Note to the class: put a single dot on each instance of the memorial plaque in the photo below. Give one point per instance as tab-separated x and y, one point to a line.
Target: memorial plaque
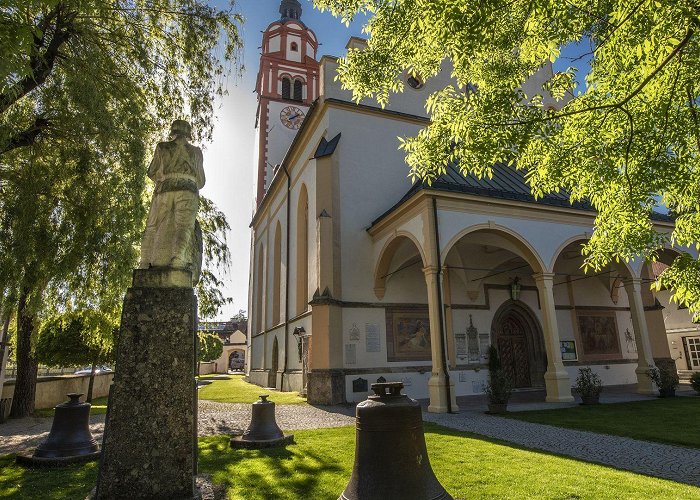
350	354
359	385
372	342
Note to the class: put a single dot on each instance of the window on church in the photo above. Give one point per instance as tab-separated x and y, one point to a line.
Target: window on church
298	90
286	88
295	47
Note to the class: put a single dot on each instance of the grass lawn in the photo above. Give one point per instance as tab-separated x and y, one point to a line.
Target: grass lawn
669	420
319	467
235	390
99	407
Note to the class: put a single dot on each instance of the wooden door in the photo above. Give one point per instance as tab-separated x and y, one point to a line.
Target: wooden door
512	349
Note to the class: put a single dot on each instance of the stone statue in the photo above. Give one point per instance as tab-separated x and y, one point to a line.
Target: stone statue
173	238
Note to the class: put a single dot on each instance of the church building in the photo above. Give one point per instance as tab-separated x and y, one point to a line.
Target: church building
358	275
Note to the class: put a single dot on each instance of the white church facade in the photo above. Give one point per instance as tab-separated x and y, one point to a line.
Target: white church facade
358	275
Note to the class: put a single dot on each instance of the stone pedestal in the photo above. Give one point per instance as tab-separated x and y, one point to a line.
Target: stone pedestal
150	439
326	387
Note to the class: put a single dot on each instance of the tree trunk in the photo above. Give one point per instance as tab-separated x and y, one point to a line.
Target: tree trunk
27	365
4	347
92	383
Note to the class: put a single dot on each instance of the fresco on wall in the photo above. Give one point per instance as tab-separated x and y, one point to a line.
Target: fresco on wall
408	335
598	333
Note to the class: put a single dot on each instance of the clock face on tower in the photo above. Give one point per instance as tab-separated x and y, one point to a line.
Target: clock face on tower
291	117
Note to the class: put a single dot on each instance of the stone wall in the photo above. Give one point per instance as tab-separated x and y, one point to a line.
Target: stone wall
51	391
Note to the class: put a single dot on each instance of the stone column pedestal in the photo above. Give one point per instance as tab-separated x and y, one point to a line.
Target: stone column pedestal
556	379
150	439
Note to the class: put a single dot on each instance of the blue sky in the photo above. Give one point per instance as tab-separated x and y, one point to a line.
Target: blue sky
228	159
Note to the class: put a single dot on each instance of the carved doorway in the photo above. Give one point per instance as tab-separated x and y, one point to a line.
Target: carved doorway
272	376
517	335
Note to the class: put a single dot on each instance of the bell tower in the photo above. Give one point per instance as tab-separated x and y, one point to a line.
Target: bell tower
287	84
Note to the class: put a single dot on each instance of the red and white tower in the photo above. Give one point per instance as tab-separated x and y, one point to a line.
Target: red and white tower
287	84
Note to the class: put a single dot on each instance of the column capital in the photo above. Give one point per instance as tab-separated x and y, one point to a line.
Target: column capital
543	277
632	282
428	270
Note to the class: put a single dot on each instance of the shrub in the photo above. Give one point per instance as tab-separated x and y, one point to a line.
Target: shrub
494	360
695	381
664	378
498	388
588	383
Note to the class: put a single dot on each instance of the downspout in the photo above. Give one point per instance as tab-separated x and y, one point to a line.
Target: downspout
286	283
443	342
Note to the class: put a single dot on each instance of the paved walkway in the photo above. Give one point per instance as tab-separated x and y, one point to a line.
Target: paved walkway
214	418
654	459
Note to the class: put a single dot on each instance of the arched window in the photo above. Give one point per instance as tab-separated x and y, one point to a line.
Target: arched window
286	88
302	278
260	280
294	47
277	275
298	90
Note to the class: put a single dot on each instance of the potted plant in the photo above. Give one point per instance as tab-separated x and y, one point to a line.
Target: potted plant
665	379
589	386
695	381
498	390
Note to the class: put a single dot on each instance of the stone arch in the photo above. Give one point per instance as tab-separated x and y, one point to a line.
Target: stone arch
517	334
621	267
302	257
386	256
236	360
525	249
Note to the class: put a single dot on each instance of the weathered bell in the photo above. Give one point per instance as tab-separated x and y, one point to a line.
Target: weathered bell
263	431
70	432
391	460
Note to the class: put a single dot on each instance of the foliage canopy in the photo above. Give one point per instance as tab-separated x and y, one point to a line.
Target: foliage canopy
87	87
628	140
76	339
210	346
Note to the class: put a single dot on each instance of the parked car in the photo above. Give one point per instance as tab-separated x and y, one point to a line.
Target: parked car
98	370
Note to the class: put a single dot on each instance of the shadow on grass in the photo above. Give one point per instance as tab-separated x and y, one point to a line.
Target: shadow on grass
18	482
302	470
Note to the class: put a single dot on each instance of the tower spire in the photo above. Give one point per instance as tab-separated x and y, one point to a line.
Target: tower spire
290	9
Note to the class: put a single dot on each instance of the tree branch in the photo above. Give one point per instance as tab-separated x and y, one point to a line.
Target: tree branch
41	64
618	104
26	137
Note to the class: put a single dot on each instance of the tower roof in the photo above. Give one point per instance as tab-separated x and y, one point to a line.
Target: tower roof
290	9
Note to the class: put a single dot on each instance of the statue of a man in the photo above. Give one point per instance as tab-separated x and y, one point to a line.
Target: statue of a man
173	237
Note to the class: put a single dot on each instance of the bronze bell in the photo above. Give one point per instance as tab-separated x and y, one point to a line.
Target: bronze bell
70	431
391	460
263	431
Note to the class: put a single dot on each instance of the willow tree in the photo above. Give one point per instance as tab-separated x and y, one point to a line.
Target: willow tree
628	140
86	89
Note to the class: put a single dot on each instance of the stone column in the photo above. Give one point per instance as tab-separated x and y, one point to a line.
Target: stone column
150	441
449	318
645	360
437	385
556	378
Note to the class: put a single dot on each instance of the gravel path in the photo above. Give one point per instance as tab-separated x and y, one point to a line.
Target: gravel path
233	418
654	459
214	418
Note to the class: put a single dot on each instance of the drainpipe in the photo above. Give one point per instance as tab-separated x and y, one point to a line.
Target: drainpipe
286	283
443	339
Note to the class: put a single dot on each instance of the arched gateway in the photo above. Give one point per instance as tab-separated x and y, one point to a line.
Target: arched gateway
517	335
